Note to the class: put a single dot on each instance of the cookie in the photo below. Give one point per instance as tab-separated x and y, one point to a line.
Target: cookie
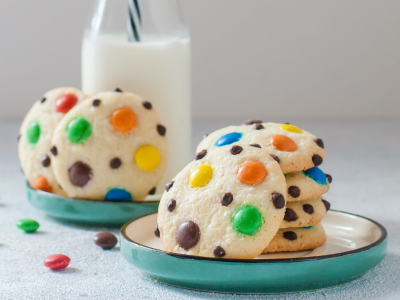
293	148
304	213
308	184
36	132
228	203
111	147
297	239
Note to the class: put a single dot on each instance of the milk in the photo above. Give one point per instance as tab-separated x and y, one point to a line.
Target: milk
157	69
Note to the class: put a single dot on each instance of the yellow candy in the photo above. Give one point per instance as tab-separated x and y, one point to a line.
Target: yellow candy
201	176
291	128
147	158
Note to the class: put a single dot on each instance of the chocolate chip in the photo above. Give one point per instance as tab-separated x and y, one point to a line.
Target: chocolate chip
327	204
43	100
276	158
201	154
188	235
79	174
118	90
290	215
206	135
290	235
156	231
219	251
226	199
18	138
317	160
171	205
278	200
258	126
255	145
115	163
294	191
169	185
236	150
96	102
308	208
46	161
329	178
152	191
105	240
161	129
319	142
251	122
53	150
147	105
287	123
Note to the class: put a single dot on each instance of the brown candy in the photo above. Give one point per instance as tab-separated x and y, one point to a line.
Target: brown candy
201	154
290	215
278	200
157	231
276	158
255	145
226	199
308	208
294	191
152	191
329	178
327	204
147	105
290	235
161	129
219	251
188	235
54	150
171	205
79	174
115	163
105	240
236	149
96	102
317	160
251	122
258	126
169	185
46	161
320	143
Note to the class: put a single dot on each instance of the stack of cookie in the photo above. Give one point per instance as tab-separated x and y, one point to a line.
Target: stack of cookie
193	219
110	146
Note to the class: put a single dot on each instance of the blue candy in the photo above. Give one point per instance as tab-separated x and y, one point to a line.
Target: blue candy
316	174
307	227
228	139
118	195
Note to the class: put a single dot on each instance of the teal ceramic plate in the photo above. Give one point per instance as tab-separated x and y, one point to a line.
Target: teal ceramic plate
354	245
90	212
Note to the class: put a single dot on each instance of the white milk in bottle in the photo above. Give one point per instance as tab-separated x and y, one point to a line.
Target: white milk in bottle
156	67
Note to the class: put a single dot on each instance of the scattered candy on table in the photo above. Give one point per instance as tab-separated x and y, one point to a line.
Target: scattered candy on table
27	225
105	240
57	261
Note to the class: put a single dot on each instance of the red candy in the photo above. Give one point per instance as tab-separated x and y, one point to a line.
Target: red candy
65	103
57	261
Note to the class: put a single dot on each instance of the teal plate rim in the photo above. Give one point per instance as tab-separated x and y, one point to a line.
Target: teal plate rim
277	260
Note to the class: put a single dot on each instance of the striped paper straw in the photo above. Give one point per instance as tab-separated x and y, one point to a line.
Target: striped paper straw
135	22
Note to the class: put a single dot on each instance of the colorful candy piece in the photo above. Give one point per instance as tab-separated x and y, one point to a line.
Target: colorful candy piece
283	143
78	130
57	261
105	240
65	102
252	172
247	219
228	139
201	176
33	132
147	158
42	184
316	174
118	195
27	225
123	120
291	128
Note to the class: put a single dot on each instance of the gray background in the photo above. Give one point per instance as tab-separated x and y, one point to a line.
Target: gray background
266	59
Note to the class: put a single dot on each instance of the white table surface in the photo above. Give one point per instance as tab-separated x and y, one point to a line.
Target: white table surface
362	156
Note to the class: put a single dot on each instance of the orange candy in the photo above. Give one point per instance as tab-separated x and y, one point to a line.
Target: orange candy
252	172
41	183
123	120
283	143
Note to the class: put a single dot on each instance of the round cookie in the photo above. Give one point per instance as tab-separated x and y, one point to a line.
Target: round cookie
228	203
297	239
308	184
304	213
295	149
36	133
111	147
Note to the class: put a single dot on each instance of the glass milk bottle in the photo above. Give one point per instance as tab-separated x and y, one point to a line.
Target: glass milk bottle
143	47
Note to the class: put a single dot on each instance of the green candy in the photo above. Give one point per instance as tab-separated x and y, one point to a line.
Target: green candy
247	219
33	132
78	130
27	225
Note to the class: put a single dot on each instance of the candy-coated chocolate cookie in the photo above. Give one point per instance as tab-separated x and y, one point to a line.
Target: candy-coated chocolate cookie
293	148
36	132
111	147
305	213
297	239
228	203
308	184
